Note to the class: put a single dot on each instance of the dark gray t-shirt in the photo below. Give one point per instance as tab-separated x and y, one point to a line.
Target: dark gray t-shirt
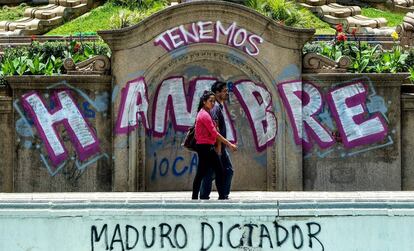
218	117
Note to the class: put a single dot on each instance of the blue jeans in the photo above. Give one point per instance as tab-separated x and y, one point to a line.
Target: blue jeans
206	184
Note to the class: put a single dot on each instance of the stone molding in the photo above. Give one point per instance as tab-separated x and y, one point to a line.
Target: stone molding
406	30
315	63
99	65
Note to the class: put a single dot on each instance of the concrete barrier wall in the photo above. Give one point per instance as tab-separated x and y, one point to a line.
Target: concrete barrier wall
119	222
62	101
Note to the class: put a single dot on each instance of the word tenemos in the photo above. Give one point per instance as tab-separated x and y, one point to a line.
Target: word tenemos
210	32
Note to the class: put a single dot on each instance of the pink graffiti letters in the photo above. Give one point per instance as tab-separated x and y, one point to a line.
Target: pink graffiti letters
66	112
210	32
302	106
171	100
133	107
256	101
347	104
303	102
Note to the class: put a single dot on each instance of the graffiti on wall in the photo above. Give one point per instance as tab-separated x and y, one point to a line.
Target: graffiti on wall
356	124
208	236
172	100
358	115
61	108
210	32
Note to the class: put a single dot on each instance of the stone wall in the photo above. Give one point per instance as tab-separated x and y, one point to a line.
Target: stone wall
370	164
313	131
163	64
76	168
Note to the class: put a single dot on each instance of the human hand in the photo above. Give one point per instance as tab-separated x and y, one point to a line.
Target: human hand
233	147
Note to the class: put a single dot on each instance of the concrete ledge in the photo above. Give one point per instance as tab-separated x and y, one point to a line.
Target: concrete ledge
303	203
170	221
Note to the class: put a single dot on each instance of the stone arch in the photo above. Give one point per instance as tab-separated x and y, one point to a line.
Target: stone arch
137	52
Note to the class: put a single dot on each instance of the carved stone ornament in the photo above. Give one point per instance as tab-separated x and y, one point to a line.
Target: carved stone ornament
406	30
315	63
98	65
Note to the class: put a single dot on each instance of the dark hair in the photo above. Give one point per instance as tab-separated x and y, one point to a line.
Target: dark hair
218	86
204	98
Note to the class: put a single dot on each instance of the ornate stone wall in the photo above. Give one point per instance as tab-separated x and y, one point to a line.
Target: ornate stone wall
177	53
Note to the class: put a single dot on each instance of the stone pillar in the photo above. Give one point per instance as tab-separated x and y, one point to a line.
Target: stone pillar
6	143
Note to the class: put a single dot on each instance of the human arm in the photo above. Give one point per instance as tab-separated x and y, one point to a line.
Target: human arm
223	140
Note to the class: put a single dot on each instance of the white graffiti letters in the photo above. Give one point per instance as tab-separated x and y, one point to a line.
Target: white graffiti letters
133	107
257	103
170	96
67	113
347	104
291	94
210	32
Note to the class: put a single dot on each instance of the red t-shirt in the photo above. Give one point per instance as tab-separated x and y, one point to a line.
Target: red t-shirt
205	130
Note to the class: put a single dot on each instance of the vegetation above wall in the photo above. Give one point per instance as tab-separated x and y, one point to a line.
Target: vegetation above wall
365	58
117	14
47	58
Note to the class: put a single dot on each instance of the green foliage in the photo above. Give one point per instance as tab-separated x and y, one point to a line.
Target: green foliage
131	16
393	18
96	19
411	74
143	5
365	58
112	15
288	13
47	58
12	13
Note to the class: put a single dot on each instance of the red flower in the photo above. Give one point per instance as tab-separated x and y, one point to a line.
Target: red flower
339	28
341	37
353	32
32	38
76	48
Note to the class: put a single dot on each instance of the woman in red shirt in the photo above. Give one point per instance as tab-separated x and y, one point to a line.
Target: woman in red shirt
206	136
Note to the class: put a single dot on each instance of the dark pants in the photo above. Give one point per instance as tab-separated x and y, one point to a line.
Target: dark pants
208	159
228	175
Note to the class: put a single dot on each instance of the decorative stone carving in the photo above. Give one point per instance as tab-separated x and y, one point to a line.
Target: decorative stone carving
406	30
99	65
315	63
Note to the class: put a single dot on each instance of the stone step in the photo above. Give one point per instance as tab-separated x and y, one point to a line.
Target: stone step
404	3
355	21
45	12
39	20
404	9
338	10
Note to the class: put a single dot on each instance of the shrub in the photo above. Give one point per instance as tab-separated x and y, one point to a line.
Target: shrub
47	58
365	58
141	4
136	12
286	12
